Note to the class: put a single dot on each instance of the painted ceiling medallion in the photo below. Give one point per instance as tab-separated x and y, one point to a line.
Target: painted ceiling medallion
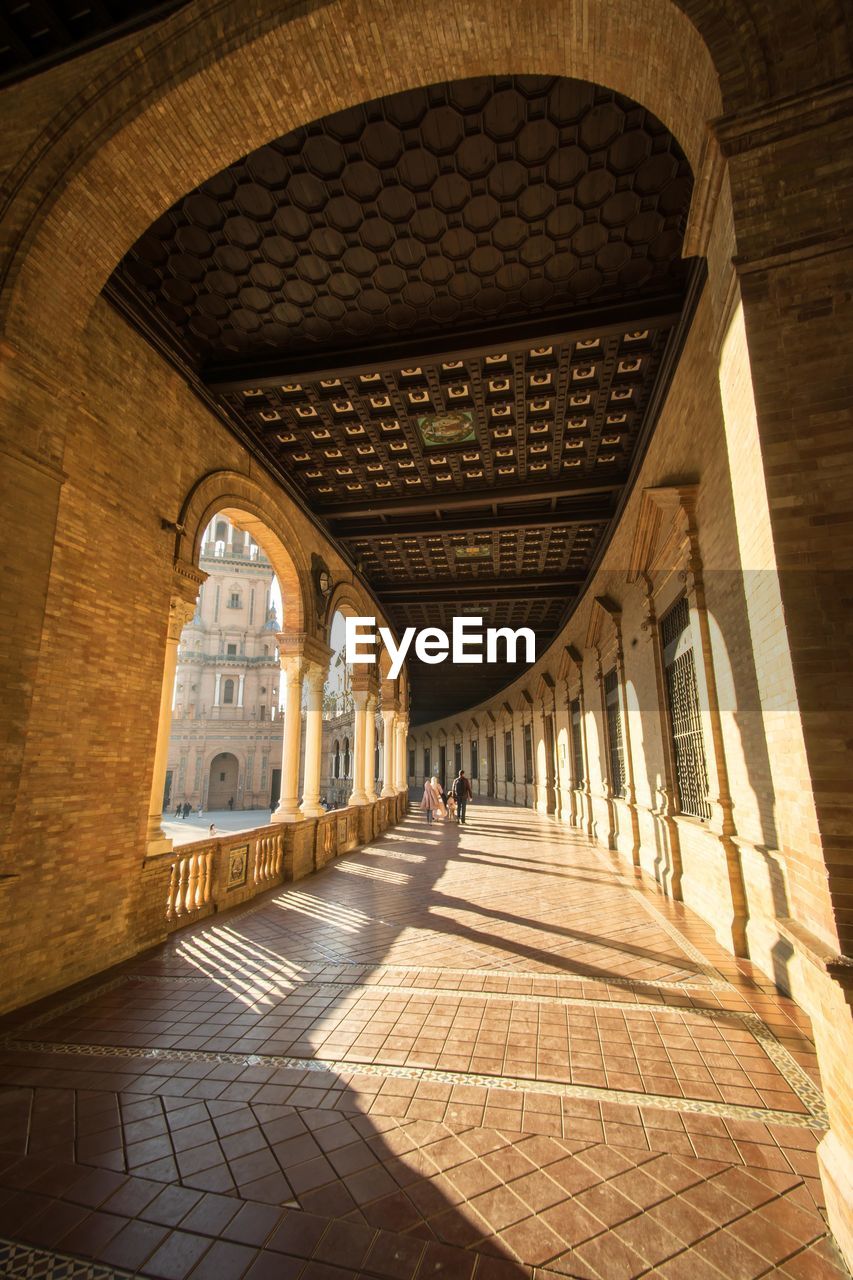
441	430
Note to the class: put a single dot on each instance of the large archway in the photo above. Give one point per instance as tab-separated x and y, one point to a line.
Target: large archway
223	782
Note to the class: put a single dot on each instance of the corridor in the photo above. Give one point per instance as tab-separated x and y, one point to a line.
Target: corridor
467	1052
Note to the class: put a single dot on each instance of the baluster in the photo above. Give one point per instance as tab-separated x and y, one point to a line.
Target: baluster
259	848
170	896
206	862
193	882
181	895
278	845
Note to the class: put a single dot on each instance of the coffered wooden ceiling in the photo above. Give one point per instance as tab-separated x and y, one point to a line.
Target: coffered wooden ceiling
446	320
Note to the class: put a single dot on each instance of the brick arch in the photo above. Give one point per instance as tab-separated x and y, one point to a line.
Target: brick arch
349	598
247	505
229	93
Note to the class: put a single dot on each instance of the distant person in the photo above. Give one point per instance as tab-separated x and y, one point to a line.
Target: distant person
187	809
231	803
199	810
211	830
431	798
462	793
179	809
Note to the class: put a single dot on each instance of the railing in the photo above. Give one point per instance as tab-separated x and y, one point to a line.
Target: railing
213	875
269	856
190	884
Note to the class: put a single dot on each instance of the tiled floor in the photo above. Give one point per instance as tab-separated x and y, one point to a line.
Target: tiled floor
459	1052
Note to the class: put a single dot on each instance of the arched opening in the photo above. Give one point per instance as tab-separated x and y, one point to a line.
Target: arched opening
228	688
223	782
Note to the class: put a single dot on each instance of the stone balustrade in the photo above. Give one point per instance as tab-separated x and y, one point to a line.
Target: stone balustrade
212	875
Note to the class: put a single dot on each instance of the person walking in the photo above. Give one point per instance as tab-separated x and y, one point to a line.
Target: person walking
179	809
187	808
462	793
431	799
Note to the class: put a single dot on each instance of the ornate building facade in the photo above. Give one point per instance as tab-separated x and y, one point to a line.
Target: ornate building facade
226	738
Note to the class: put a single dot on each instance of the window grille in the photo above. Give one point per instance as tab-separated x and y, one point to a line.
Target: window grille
691	772
577	745
615	748
528	753
508	755
475	759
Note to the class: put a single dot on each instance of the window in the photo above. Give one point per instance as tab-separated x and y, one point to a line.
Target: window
682	695
475	758
346	757
457	758
411	762
221	531
615	749
577	744
528	753
427	769
228	691
231	650
336	760
234	600
508	756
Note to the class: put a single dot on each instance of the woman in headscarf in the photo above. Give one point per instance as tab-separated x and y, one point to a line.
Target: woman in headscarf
432	801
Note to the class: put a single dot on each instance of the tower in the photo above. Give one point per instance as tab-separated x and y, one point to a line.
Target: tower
225	745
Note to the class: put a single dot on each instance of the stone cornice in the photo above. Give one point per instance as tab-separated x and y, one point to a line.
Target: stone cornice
786	117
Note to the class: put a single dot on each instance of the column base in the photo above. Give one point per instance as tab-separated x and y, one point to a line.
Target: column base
157	845
312	810
287	815
386	792
372	797
357	798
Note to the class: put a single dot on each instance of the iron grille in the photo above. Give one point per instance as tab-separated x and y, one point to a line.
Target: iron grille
614	733
528	753
691	773
577	745
508	756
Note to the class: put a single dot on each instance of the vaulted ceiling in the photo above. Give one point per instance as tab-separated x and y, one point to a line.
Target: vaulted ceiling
446	320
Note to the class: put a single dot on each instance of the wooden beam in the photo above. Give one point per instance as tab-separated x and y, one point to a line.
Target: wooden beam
438	504
465	345
539	586
583	513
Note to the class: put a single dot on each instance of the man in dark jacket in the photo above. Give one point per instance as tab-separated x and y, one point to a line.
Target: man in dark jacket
462	794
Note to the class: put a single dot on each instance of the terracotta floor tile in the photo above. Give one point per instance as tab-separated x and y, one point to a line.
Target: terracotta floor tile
493	969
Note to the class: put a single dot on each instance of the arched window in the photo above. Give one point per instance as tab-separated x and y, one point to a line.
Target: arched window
346	758
221	531
336	760
228	691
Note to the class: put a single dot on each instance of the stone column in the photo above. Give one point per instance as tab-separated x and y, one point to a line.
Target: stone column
240	683
370	748
181	611
402	773
315	679
389	724
216	689
358	795
293	671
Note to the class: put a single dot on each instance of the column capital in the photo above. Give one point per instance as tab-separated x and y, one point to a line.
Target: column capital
181	612
300	644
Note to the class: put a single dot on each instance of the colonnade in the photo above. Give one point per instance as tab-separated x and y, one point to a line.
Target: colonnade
306	667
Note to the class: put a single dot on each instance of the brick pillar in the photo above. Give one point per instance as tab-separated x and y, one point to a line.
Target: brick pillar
790	166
